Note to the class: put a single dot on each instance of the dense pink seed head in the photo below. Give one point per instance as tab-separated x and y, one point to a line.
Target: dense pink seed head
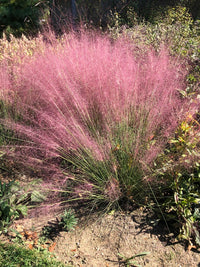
77	93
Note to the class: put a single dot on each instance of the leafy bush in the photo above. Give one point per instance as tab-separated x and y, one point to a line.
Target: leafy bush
118	12
181	172
176	28
152	10
17	17
104	107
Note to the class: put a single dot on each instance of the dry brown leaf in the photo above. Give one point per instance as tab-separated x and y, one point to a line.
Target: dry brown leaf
30	235
191	247
30	246
52	247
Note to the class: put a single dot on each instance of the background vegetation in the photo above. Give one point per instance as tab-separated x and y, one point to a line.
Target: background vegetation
28	17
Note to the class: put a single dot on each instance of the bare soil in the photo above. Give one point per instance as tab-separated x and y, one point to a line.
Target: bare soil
97	242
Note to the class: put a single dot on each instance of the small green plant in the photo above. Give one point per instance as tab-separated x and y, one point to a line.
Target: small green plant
127	261
68	220
47	232
14	201
11	206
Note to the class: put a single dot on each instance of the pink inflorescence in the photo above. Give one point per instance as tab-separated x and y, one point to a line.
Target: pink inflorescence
112	190
83	190
74	93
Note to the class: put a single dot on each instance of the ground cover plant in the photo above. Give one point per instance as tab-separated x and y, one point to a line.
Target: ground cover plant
11	255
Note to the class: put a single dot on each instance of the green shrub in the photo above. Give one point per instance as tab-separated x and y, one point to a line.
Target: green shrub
20	16
180	174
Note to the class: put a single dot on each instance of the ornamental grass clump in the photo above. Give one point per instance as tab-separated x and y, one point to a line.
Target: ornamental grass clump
101	107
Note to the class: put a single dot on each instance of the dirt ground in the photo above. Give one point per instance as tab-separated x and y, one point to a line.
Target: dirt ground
98	242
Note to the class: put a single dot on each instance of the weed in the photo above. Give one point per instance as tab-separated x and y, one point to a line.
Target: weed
127	261
14	201
11	206
68	220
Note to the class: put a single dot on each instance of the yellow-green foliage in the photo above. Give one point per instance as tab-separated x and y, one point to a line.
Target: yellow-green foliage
176	29
17	48
178	14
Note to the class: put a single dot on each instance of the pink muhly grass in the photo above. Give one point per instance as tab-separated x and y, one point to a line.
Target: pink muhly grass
113	190
83	190
90	93
5	81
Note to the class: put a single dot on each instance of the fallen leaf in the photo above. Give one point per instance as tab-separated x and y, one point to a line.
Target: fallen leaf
52	247
34	235
191	247
27	234
30	235
30	246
